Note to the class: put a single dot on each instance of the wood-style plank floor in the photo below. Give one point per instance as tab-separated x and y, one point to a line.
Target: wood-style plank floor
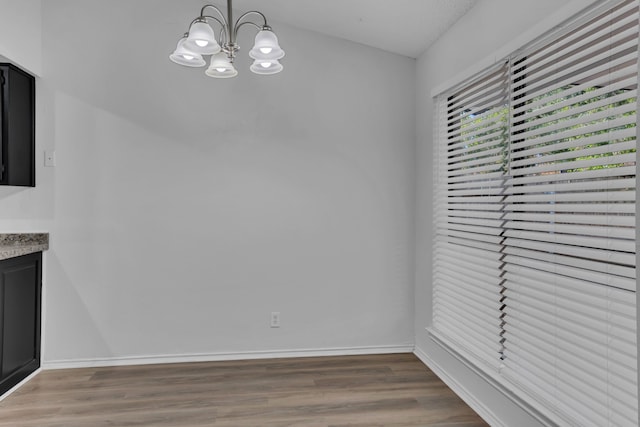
381	390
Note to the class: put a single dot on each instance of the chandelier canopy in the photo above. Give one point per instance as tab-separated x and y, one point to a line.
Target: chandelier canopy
200	40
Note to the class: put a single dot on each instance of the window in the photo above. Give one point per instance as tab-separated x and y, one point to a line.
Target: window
535	251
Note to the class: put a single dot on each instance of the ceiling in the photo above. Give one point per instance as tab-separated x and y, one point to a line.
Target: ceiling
405	27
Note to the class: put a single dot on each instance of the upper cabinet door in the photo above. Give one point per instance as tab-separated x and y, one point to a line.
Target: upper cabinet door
17	127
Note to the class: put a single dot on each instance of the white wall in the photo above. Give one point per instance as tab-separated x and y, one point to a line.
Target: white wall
488	32
184	209
21	34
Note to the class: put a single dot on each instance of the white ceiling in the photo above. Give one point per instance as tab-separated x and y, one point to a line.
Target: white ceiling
406	27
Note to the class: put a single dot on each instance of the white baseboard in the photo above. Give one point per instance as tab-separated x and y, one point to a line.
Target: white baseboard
20	384
214	357
480	408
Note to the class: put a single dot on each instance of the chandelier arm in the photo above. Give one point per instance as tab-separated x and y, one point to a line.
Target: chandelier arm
238	24
202	15
244	23
223	36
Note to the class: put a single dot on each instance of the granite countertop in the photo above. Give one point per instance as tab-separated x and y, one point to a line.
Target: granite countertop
17	244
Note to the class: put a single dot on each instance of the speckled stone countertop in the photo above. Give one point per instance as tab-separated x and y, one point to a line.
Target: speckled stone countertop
17	244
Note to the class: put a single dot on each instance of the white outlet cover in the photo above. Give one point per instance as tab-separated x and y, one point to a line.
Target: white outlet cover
275	319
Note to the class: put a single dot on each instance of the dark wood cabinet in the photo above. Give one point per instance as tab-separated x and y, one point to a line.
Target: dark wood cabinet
20	308
17	127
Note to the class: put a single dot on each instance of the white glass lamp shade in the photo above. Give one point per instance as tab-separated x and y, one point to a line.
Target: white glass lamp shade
266	46
184	56
221	67
201	39
266	67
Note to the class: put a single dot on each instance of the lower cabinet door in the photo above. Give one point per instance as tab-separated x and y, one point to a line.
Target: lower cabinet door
20	306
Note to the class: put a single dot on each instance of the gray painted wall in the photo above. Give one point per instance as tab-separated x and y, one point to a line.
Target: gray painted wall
21	33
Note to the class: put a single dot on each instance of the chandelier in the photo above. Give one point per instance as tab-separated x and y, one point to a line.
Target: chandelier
200	41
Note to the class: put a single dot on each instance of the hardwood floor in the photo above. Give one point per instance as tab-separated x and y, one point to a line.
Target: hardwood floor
381	390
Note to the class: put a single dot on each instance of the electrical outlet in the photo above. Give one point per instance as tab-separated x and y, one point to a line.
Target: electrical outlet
275	319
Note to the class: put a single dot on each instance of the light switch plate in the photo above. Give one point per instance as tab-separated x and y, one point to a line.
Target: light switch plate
49	158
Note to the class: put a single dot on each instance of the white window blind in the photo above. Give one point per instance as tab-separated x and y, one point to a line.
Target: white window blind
535	254
472	149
